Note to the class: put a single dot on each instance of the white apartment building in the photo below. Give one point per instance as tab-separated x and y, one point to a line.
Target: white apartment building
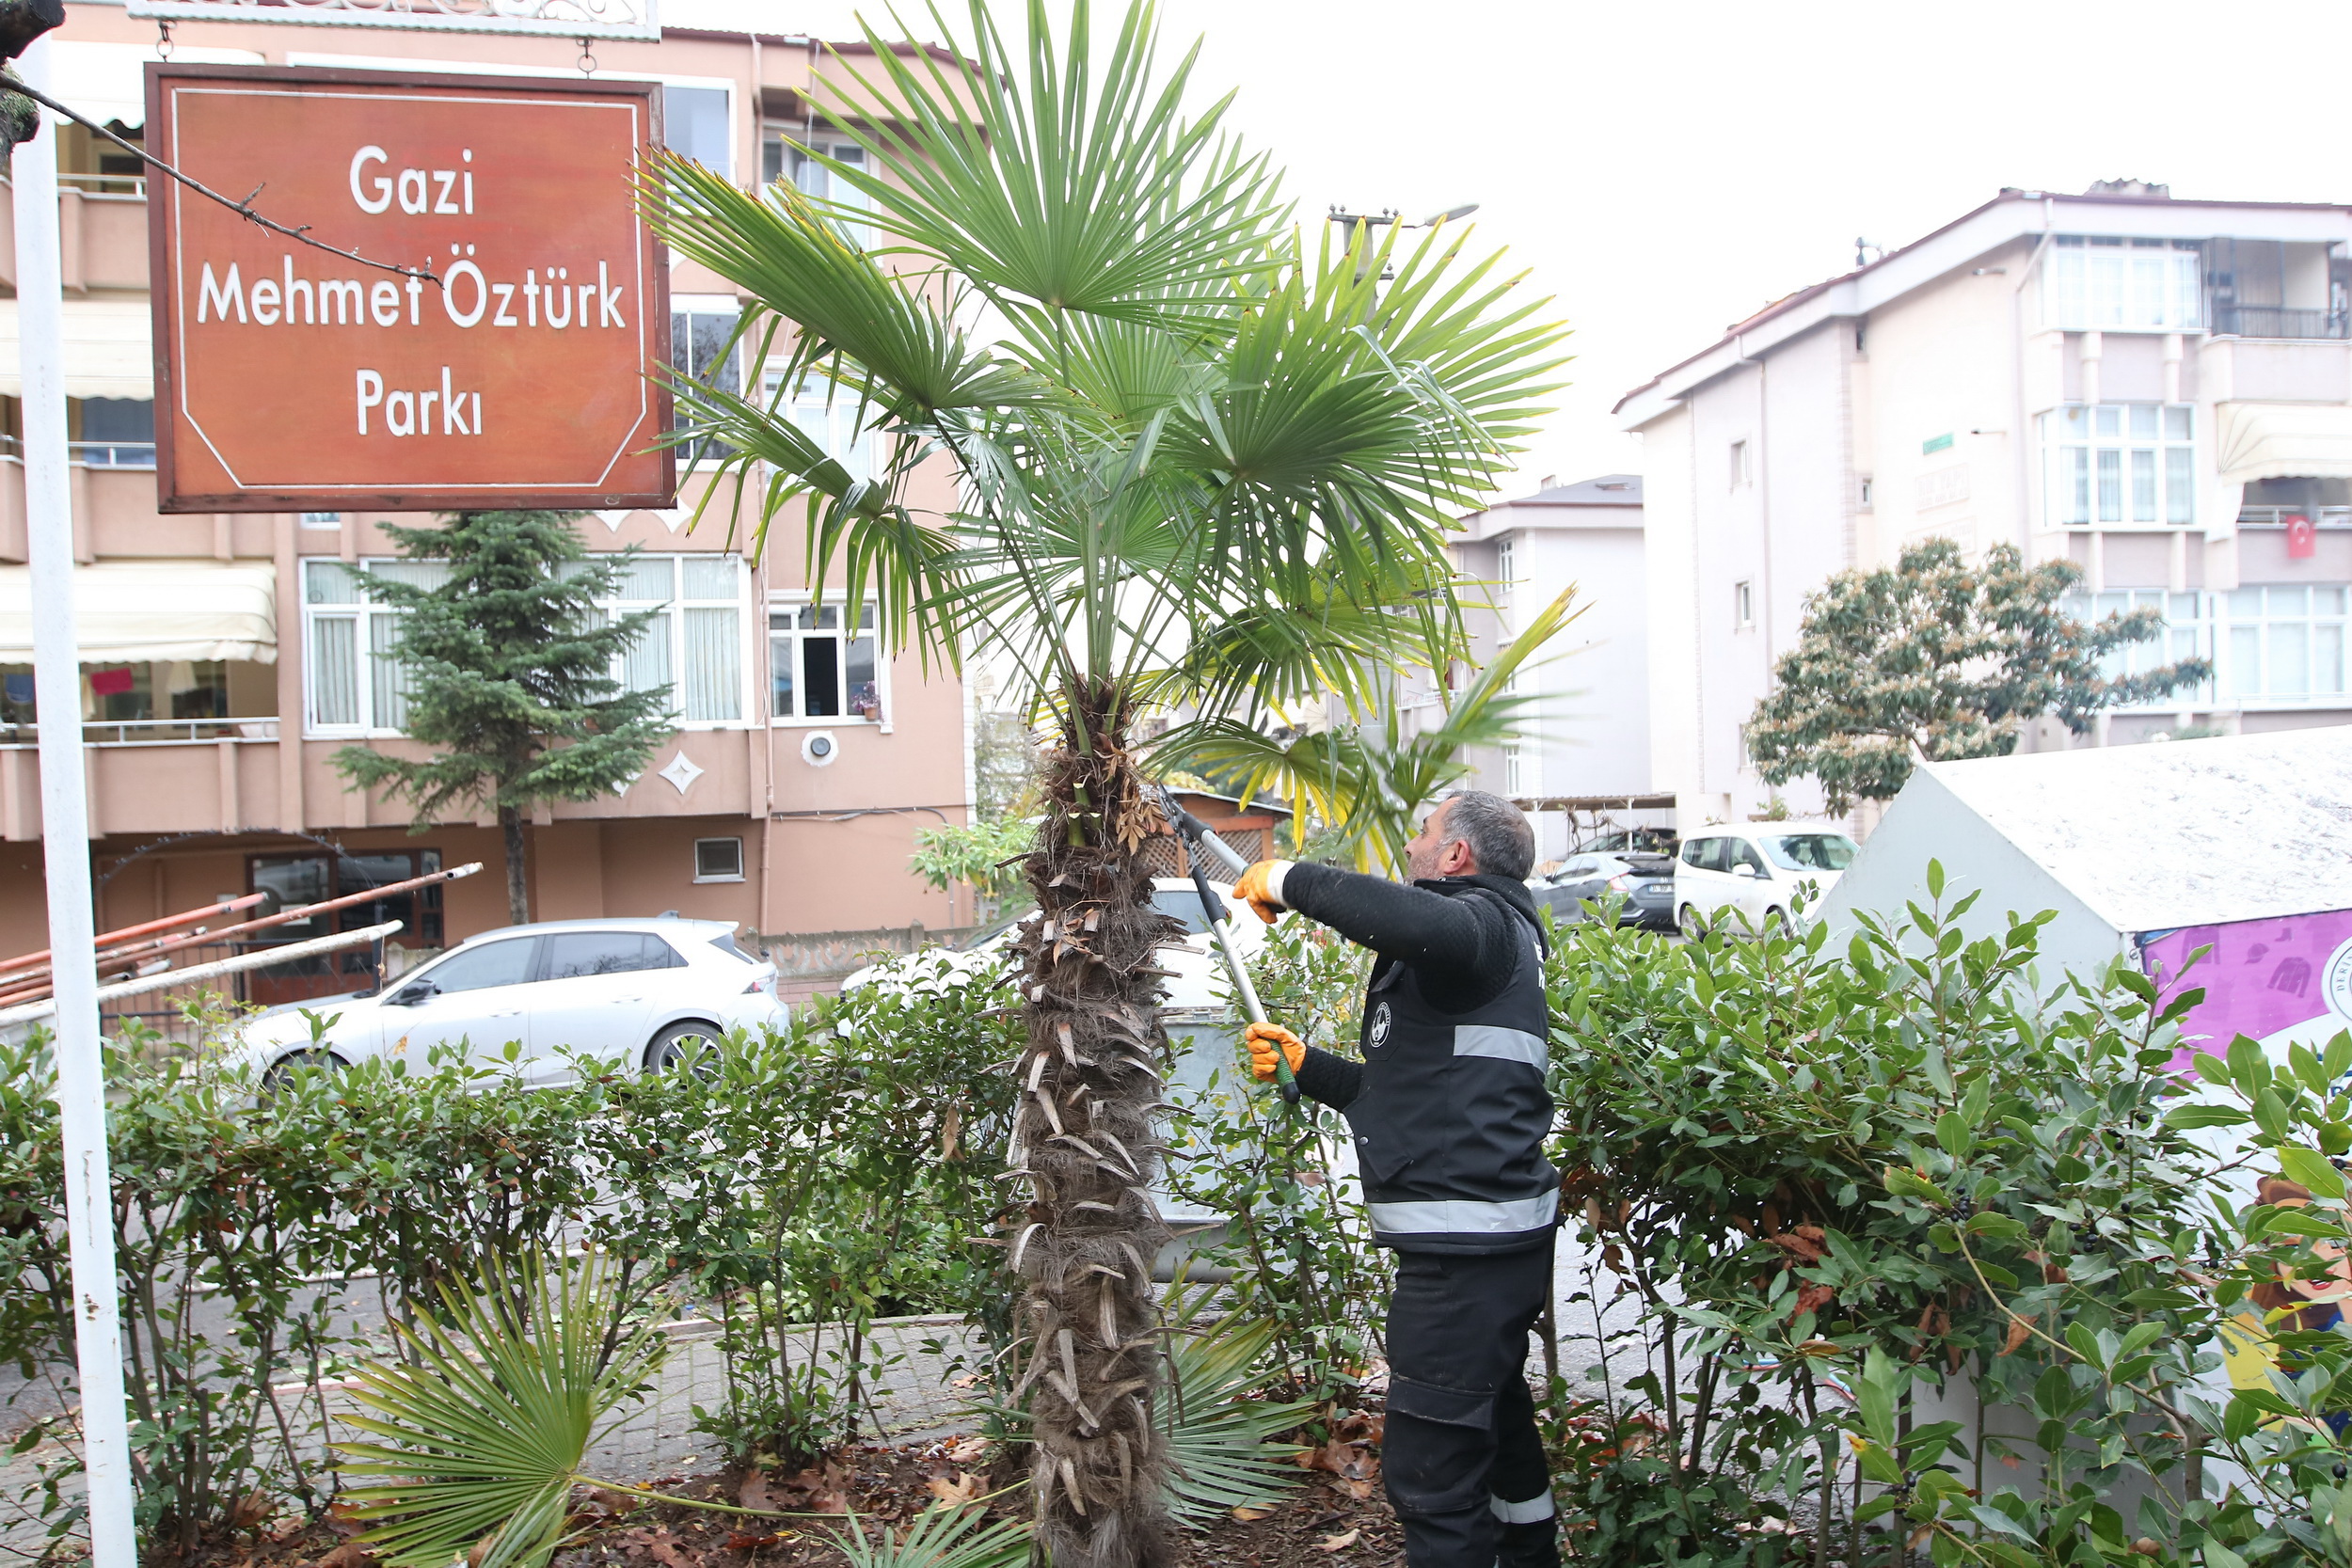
1585	746
2158	390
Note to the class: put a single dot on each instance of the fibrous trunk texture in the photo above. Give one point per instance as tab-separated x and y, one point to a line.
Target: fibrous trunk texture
1086	1145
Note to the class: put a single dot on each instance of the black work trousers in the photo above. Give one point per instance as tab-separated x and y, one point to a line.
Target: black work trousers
1462	1457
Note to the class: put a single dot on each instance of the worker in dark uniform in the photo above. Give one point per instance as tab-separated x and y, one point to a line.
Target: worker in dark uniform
1449	1113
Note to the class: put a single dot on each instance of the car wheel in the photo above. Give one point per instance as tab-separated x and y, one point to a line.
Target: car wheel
1692	925
283	1070
670	1047
1775	922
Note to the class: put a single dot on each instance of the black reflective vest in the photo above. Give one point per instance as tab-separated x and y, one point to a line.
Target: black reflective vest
1451	1121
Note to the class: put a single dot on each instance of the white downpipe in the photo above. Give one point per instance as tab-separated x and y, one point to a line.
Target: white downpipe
65	838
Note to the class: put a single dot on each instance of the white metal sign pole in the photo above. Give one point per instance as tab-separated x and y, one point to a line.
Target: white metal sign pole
65	837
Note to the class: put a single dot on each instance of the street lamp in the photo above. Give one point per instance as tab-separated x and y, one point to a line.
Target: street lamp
1389	215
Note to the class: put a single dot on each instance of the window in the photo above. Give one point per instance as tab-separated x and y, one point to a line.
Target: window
2281	645
1515	769
1738	853
784	155
2146	285
695	125
702	346
117	433
1866	493
573	955
1704	854
832	418
694	646
478	968
1811	852
322	519
1742	604
2185	634
817	672
2121	463
718	859
1507	561
1739	464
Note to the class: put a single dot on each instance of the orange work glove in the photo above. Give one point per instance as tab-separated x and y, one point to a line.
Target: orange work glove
1255	889
1262	1038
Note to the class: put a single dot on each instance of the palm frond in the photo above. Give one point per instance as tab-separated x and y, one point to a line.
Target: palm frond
481	1435
939	1537
1077	192
1220	1453
1371	781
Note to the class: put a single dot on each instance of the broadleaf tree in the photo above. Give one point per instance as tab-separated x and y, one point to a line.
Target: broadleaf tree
1167	413
506	663
1938	658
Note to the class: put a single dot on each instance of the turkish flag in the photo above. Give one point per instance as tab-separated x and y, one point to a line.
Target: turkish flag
2302	539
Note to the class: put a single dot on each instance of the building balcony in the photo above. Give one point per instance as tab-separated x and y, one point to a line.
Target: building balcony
101	233
2280	320
153	776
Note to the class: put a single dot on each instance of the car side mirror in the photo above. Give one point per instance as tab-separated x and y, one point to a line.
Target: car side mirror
413	993
1581	868
1745	869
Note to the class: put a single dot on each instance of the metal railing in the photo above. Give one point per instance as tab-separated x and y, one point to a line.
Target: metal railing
105	185
152	732
2280	320
2276	517
112	454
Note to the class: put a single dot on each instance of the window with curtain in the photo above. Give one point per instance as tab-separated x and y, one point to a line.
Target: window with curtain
2094	282
831	416
693	648
2121	463
2283	644
785	158
2186	634
703	345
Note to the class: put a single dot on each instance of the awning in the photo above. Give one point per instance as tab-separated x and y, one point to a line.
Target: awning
106	350
130	611
108	81
2284	441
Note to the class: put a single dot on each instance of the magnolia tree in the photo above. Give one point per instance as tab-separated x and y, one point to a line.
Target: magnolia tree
1197	459
1941	658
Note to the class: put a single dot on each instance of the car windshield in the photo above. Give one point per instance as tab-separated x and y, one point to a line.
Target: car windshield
1810	851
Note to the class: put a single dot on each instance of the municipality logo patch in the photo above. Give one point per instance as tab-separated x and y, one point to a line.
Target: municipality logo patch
1380	1022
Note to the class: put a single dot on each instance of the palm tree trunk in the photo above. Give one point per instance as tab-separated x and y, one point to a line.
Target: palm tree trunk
1087	1142
518	893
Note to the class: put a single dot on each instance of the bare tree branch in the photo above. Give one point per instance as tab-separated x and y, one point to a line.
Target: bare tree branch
243	209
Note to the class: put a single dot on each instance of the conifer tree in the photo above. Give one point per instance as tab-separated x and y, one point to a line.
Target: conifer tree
508	664
1941	658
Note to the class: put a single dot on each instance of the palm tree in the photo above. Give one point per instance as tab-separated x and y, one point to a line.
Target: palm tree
1174	429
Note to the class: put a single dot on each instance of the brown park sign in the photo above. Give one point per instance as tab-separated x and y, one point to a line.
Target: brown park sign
290	379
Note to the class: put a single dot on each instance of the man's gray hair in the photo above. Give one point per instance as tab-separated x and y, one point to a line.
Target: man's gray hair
1496	831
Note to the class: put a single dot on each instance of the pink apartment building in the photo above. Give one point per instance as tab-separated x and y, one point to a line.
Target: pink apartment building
225	658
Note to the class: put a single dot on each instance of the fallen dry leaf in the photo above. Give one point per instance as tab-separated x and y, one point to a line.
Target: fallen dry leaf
965	1487
1359	1490
754	1492
743	1541
251	1510
665	1551
349	1555
1338	1542
964	1451
1250	1515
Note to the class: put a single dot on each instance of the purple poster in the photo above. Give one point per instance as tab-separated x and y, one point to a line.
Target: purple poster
2281	981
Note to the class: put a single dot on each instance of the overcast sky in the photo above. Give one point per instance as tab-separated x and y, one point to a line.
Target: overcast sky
1664	169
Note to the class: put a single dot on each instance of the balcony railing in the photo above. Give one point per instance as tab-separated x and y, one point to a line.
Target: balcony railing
2280	320
2276	517
151	732
107	184
112	454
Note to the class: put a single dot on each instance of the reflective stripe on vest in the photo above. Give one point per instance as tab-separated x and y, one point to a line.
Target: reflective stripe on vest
1503	1045
1533	1511
1465	1216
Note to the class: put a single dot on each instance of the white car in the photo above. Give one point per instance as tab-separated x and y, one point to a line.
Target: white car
1749	874
1200	971
634	991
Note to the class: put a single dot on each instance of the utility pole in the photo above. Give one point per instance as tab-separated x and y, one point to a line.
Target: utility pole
65	839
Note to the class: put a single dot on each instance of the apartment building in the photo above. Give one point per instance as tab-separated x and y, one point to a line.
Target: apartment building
2159	390
225	658
1584	747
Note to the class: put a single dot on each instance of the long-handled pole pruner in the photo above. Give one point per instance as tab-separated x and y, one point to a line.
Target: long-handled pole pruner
1200	841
